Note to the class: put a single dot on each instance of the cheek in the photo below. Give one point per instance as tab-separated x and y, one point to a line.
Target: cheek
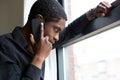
48	32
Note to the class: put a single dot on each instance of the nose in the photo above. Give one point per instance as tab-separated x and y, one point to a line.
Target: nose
56	37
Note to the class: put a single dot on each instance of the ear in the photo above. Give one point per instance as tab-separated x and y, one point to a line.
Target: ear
39	16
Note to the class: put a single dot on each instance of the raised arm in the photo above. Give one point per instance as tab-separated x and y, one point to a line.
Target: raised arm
77	26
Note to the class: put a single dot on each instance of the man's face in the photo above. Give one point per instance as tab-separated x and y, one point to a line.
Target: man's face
52	30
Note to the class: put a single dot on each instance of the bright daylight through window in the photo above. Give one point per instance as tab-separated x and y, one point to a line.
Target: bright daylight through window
95	58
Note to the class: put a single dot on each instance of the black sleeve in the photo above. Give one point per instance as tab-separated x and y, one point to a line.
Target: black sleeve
72	30
12	68
10	71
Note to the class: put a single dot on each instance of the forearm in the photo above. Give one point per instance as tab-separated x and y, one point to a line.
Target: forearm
90	15
73	29
38	61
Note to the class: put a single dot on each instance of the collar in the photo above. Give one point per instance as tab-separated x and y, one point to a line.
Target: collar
19	38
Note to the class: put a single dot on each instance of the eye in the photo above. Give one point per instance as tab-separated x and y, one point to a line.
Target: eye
56	29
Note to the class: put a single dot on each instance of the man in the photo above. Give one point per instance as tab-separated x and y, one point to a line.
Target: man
22	57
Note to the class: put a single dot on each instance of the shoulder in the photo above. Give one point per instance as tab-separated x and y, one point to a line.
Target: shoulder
5	47
5	39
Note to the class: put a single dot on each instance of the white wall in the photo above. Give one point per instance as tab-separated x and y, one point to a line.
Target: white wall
11	15
27	6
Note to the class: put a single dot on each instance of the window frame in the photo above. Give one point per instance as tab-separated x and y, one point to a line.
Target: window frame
112	20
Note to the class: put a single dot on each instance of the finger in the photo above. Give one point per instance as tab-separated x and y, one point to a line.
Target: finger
32	41
47	40
41	30
100	14
106	4
101	8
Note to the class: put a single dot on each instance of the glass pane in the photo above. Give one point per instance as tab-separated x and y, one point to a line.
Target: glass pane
95	58
51	66
75	8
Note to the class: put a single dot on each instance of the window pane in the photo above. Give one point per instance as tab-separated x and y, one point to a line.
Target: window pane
95	58
90	60
75	8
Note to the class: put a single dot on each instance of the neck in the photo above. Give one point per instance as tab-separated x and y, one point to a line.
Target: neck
26	30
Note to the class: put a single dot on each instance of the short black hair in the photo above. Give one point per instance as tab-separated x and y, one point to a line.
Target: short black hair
51	10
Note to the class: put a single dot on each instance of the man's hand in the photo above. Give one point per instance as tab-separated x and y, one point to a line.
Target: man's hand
101	10
41	49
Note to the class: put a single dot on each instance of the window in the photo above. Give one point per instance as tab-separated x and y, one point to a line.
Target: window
75	8
94	58
27	6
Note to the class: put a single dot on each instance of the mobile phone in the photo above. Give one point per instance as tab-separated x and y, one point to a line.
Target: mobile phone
36	24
